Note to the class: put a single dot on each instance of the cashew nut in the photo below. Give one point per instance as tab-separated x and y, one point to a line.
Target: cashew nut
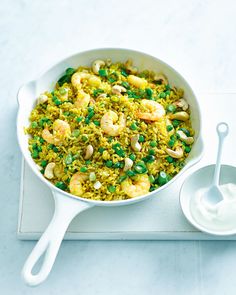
182	116
117	89
184	137
130	68
89	152
181	103
177	154
160	77
42	98
97	64
128	164
135	144
48	173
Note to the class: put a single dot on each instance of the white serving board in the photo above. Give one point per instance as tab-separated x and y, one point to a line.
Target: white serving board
160	218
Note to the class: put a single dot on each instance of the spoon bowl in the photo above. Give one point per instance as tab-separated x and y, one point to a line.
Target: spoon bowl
202	178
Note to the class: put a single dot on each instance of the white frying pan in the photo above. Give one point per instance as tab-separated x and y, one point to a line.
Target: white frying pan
68	206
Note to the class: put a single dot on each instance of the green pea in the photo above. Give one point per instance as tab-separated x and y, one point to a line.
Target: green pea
169	128
90	109
118	165
54	97
111	188
109	163
44	163
113	77
150	158
152	188
102	72
84	138
101	150
162	178
79	119
83	169
130	173
34	146
61	185
132	157
175	123
66	114
162	95
187	149
34	124
141	138
151	178
133	126
75	133
35	154
171	143
171	108
168	92
153	143
97	123
41	140
39	148
168	87
151	152
90	115
87	162
149	92
57	102
50	146
169	159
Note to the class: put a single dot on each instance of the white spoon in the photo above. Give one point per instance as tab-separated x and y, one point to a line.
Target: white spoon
213	194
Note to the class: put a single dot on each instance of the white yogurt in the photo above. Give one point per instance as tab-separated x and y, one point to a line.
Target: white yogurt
221	216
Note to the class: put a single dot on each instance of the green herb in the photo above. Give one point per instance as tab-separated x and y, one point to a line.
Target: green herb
151	152
130	173
171	108
66	78
101	150
113	77
87	120
34	124
97	123
61	185
122	178
98	91
102	73
79	119
124	73
111	188
132	157
125	84
68	159
84	138
35	154
162	178
118	150
162	95
149	92
151	178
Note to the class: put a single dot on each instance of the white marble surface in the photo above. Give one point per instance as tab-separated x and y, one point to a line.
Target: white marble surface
198	38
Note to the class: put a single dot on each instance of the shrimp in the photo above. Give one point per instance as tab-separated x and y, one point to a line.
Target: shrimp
61	129
139	186
82	99
108	126
75	186
77	78
155	111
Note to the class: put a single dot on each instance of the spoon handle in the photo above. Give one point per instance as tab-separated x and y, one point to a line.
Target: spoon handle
222	130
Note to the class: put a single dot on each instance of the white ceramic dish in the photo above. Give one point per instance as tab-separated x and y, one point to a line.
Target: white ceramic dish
68	206
202	178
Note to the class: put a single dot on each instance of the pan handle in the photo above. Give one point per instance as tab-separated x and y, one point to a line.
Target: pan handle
65	210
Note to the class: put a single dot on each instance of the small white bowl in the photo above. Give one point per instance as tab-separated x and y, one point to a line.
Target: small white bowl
203	178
